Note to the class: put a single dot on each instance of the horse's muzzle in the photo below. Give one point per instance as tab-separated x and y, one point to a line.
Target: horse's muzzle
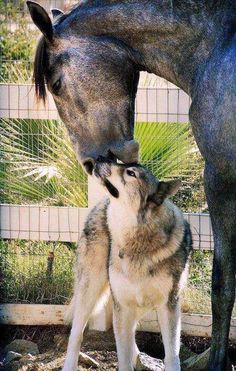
127	152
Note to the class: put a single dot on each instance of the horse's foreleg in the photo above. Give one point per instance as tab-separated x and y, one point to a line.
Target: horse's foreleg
221	197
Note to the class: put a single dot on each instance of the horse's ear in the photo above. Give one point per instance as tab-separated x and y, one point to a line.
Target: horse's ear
41	19
56	12
165	189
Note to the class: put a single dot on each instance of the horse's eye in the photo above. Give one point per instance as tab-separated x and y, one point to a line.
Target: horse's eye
56	86
131	173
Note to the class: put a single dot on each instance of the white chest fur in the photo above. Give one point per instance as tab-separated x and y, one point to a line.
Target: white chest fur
130	279
147	293
120	220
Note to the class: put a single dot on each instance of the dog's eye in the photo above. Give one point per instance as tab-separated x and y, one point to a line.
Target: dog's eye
56	86
131	173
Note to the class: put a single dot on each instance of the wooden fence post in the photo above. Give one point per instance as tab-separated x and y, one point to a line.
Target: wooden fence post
49	272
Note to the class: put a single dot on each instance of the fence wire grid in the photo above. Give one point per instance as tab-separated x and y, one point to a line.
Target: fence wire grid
42	185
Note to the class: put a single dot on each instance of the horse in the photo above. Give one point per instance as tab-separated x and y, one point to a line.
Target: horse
90	59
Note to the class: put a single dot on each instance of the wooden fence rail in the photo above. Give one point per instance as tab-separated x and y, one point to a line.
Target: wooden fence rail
153	104
45	315
52	223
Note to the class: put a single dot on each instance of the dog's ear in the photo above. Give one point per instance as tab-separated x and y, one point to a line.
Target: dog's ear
41	19
56	12
165	189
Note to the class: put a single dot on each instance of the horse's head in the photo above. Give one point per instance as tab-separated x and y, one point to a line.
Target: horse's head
93	81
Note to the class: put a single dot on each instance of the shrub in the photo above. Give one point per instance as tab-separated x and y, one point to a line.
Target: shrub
39	164
16	43
24	272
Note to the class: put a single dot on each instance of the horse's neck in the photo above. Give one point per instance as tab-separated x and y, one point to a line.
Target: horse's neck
172	41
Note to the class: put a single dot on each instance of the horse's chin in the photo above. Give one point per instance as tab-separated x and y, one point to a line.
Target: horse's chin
127	152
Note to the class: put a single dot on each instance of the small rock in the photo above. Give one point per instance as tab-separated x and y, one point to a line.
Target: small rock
197	362
12	356
146	362
22	346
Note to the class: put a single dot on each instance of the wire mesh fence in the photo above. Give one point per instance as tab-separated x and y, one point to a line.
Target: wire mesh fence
38	167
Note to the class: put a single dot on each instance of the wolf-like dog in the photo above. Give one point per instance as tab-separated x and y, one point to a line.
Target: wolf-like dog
135	244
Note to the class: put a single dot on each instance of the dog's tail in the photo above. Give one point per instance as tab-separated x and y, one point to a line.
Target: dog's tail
99	305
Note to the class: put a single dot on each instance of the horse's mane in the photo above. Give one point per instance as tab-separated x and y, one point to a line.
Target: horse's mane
40	65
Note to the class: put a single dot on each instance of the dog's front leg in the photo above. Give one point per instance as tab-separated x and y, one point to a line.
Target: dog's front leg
83	307
124	323
170	324
88	292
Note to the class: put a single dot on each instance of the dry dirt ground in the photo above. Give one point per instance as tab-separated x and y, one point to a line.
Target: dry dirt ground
98	345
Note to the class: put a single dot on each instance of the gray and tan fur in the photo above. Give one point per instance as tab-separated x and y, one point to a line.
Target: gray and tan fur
137	242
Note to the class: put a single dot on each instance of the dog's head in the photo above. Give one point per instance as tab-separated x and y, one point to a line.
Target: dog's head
133	185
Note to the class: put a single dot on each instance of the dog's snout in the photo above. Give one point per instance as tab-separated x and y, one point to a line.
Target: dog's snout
102	169
89	165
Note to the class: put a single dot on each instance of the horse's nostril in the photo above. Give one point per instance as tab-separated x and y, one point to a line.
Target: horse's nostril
111	156
89	166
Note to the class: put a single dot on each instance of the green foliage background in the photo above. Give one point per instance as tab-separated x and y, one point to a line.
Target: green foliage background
17	43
